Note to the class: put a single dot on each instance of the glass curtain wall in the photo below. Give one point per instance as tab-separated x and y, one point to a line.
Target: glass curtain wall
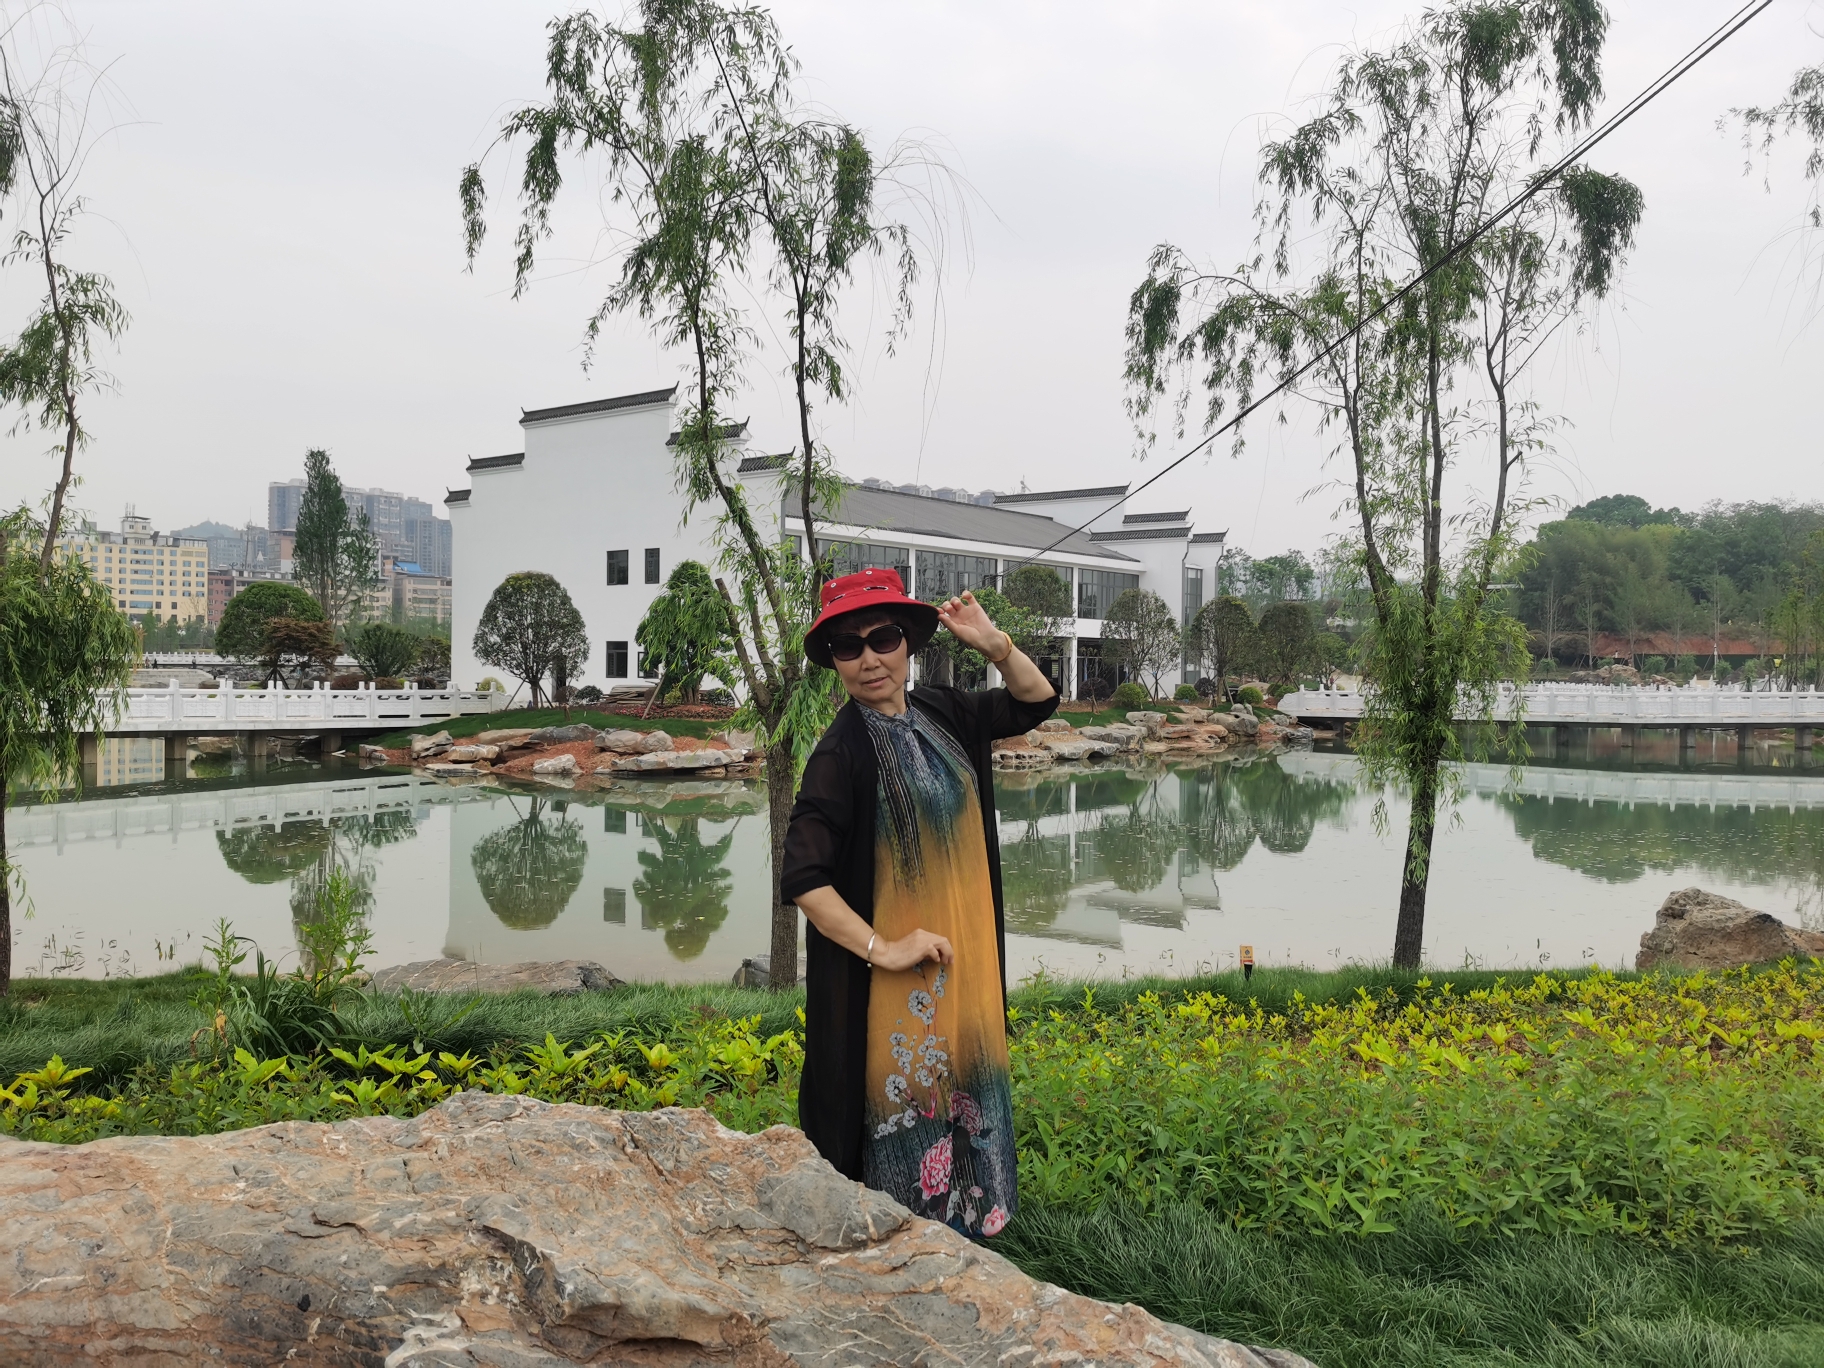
1193	600
1098	589
943	575
849	558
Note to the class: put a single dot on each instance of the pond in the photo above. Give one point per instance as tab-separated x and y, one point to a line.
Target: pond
1109	871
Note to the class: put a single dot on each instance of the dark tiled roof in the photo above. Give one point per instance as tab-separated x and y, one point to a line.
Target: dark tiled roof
886	511
623	401
497	462
751	464
1142	534
1217	537
456	496
1156	517
726	433
1108	491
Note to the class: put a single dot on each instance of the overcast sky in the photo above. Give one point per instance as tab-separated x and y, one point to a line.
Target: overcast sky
278	210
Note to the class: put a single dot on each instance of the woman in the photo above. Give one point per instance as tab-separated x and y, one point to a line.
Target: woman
893	857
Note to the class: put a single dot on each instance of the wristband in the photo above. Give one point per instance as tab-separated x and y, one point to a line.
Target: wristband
868	954
1005	654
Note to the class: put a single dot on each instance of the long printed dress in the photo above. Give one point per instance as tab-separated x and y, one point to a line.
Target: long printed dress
939	1107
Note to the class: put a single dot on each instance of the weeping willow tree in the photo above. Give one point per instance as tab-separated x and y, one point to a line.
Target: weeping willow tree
65	655
1412	148
690	110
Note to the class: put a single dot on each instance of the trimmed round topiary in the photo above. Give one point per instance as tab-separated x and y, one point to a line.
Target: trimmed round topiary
1250	695
1131	695
1185	693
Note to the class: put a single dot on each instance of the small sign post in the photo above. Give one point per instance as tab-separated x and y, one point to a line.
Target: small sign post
1247	963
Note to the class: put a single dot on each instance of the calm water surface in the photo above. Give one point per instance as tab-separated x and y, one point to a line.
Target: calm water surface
1109	871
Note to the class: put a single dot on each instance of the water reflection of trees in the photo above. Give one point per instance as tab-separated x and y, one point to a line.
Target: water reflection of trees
529	869
308	852
1619	843
684	885
1128	831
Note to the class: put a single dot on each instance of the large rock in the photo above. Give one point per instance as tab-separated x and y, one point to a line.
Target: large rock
504	737
1054	724
468	754
1121	733
620	739
424	746
562	736
1699	930
1151	721
1077	748
757	971
670	762
556	765
1024	759
502	1231
1237	723
654	741
554	978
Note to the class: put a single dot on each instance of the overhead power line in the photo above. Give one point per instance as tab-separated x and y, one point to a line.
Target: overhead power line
1720	35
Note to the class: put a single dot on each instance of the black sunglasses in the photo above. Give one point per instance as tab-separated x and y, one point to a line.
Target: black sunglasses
882	641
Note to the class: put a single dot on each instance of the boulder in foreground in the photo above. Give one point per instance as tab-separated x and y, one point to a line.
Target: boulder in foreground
554	978
499	1230
1699	930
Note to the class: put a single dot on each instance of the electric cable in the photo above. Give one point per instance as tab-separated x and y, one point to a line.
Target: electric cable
1717	37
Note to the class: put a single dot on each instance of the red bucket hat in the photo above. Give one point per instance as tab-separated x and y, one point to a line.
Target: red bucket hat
872	590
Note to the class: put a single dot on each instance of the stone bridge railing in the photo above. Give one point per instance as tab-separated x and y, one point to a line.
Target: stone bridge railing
273	708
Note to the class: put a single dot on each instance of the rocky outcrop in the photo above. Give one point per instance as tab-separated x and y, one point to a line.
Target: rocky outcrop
561	736
504	737
1021	758
1151	721
554	978
1123	734
469	753
670	762
423	747
557	765
498	1230
1699	930
619	739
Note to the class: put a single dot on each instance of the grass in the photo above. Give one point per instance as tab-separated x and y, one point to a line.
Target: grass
114	1025
459	727
1430	1295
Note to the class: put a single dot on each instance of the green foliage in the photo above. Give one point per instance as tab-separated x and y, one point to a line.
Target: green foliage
1429	1294
1139	632
434	656
1042	590
531	629
1185	693
1622	510
1129	695
1223	637
65	655
1251	695
241	634
684	886
685	632
1286	642
1026	628
384	651
296	644
1802	112
336	557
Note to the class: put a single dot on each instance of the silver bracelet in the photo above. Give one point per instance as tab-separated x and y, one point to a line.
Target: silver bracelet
868	954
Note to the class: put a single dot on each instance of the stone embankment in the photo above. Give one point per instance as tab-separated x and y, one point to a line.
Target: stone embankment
575	756
1699	930
499	1230
1184	733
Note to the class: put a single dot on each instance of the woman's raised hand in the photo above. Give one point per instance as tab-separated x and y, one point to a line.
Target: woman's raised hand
913	948
970	624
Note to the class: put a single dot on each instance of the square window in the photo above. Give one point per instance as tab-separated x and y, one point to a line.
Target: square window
652	565
614	900
617	567
615	660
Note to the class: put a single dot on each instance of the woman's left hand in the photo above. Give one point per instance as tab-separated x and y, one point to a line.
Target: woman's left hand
970	624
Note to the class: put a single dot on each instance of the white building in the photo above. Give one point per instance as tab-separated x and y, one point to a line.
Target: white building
149	573
592	501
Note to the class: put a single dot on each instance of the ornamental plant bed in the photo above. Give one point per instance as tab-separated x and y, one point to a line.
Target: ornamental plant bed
1677	1110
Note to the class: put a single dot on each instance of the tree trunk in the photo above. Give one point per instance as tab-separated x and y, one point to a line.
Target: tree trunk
779	786
1409	932
6	901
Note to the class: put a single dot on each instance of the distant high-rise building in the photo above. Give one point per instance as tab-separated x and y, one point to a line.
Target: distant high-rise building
282	501
147	573
385	511
427	540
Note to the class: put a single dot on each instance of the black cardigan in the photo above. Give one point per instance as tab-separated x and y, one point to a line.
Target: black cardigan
831	842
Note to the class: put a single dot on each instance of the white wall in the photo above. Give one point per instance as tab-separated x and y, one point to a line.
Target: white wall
588	484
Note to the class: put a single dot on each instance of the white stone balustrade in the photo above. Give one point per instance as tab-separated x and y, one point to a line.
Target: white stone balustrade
274	708
1602	705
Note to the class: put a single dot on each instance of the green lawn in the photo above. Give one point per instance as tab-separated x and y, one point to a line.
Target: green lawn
1428	1296
551	717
